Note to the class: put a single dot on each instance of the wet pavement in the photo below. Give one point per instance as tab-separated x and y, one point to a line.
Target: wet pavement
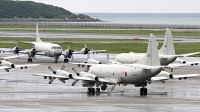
20	91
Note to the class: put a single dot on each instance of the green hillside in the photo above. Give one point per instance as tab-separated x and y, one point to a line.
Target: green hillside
30	9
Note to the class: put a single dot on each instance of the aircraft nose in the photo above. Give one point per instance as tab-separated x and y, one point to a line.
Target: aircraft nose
57	52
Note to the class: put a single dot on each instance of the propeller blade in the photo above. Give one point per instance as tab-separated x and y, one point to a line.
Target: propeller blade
86	70
16	44
108	57
114	85
74	82
68	47
51	69
62	68
85	45
75	71
51	80
72	57
63	81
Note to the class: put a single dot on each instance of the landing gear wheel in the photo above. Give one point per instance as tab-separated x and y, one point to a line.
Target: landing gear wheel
28	60
31	60
145	91
98	90
66	60
89	90
93	90
55	61
141	91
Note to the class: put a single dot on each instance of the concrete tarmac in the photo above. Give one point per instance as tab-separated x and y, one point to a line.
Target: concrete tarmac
20	91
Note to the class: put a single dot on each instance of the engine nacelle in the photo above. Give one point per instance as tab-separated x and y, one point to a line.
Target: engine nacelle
64	73
178	60
86	74
93	61
7	63
165	74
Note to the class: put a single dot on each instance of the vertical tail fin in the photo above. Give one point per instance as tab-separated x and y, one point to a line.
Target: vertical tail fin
168	45
37	34
151	58
85	45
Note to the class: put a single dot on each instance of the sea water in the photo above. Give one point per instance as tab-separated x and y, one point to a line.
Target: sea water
149	18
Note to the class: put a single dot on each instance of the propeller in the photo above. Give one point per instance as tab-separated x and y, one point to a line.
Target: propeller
33	52
16	49
62	68
54	72
69	53
51	69
74	83
74	70
119	79
86	49
51	80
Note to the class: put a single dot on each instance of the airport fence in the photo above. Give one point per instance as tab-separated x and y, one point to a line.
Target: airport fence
108	24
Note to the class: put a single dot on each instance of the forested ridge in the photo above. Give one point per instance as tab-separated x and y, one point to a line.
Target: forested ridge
30	9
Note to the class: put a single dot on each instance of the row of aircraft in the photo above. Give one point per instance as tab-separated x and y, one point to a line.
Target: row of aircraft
127	68
138	69
48	49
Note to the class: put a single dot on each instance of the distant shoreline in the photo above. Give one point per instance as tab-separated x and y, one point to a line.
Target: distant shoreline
50	20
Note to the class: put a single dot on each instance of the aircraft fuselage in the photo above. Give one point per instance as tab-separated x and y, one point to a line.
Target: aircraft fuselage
50	50
129	74
130	58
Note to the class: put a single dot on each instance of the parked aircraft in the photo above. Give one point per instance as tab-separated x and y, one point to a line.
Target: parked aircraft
85	50
104	74
166	53
6	65
42	48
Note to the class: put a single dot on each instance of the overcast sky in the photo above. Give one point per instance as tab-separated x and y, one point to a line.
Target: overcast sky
127	6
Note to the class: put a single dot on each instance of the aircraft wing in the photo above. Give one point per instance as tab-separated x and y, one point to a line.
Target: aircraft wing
4	67
192	63
106	80
37	53
159	78
76	52
51	75
82	64
189	54
10	57
96	51
185	75
174	65
28	65
83	78
32	43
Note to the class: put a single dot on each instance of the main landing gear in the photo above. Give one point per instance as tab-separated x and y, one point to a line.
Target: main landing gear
66	60
30	60
56	60
92	90
143	91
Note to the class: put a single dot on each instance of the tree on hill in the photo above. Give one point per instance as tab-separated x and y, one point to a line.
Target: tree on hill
29	9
